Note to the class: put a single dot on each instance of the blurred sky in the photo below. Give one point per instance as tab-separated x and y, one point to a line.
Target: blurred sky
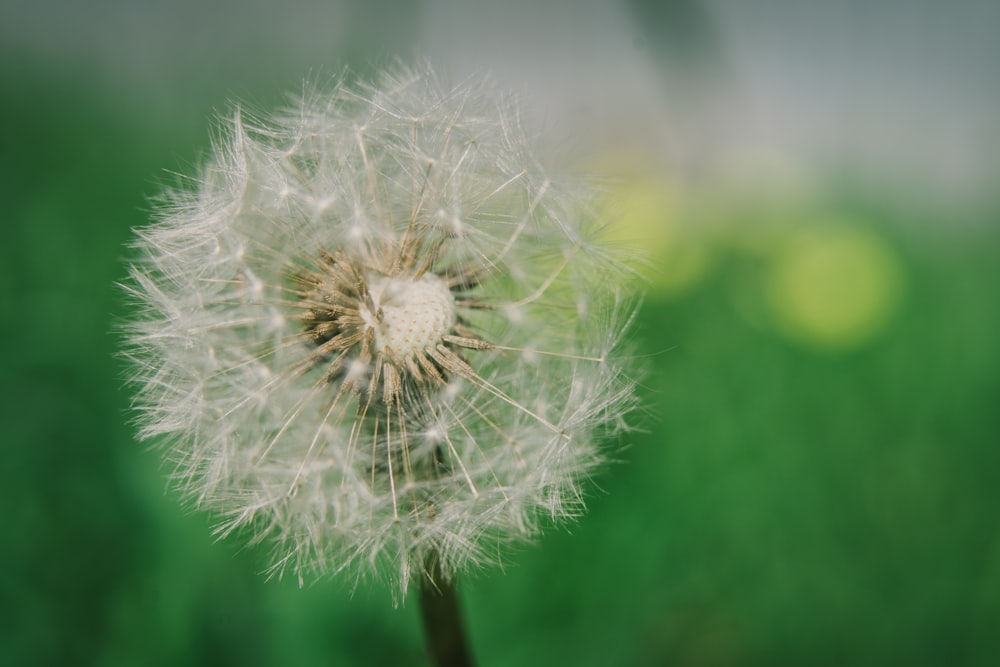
902	92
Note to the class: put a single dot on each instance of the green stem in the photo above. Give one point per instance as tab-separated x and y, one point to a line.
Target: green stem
442	619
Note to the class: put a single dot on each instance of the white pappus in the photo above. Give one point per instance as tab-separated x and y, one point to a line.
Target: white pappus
374	331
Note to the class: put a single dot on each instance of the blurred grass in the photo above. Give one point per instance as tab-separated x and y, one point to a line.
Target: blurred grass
787	504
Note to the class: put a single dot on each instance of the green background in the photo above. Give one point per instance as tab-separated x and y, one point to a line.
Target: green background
791	500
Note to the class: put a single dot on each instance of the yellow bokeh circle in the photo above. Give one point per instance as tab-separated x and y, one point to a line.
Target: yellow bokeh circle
647	219
834	286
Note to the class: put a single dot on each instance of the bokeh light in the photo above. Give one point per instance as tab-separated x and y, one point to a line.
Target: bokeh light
646	215
833	285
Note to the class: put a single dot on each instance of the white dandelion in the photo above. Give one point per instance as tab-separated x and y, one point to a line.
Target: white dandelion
376	334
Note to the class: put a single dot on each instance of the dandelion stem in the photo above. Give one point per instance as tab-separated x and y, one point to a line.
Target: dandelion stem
442	618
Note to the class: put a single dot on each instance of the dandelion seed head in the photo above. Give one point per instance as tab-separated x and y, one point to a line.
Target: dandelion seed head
414	314
375	328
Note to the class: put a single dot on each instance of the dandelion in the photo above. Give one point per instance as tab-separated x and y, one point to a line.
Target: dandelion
375	334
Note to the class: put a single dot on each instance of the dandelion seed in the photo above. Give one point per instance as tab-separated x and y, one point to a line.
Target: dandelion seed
359	334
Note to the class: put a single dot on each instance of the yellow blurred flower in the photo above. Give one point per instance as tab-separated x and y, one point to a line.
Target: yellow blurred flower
649	219
834	286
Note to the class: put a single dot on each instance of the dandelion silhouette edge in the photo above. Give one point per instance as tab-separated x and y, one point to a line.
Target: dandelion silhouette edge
373	330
